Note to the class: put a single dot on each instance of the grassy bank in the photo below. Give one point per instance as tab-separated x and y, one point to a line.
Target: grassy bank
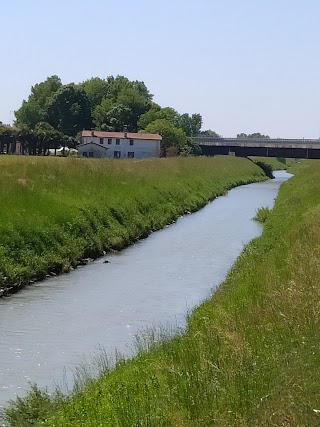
250	355
275	163
57	212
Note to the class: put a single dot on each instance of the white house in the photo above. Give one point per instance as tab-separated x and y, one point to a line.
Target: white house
116	145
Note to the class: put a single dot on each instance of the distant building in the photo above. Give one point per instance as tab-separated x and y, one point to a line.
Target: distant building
119	145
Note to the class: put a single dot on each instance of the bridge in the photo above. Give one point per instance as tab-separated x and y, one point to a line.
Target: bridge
264	147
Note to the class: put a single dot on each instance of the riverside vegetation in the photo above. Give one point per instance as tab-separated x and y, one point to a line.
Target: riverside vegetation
275	163
57	212
248	357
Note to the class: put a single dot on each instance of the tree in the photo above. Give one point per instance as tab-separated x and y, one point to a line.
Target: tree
114	119
7	138
41	92
191	125
33	110
190	148
119	83
210	133
149	116
157	113
29	114
171	136
68	110
48	137
96	90
100	114
117	94
131	98
258	135
253	135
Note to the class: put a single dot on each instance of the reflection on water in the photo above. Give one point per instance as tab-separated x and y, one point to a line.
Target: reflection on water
55	324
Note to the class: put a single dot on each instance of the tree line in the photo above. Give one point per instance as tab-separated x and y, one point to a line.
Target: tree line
54	114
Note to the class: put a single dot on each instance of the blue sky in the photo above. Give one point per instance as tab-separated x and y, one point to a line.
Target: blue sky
246	66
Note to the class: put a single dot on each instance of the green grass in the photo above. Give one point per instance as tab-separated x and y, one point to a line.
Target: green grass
57	211
262	215
276	163
249	357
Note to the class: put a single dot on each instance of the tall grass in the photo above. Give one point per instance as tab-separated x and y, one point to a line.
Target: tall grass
275	163
57	211
262	214
249	356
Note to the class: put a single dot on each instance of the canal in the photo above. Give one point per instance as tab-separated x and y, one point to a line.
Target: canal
52	326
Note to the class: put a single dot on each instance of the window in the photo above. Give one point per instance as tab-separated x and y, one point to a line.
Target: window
117	141
101	140
130	154
117	154
90	153
131	141
109	141
85	154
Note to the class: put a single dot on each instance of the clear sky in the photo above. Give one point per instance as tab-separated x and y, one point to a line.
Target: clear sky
245	65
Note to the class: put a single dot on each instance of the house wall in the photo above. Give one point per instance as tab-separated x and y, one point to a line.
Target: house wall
97	152
142	148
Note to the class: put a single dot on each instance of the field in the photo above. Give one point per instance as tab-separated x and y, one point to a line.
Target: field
250	354
57	212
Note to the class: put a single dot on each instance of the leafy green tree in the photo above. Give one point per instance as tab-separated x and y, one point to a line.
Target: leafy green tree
48	137
150	116
29	114
190	148
116	119
157	113
41	92
131	98
115	85
120	83
96	90
171	136
191	125
258	135
68	110
33	110
100	114
8	136
210	133
253	135
117	94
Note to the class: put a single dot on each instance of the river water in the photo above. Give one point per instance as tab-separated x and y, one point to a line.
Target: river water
50	327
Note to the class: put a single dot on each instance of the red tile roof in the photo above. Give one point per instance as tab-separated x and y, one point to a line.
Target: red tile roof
129	135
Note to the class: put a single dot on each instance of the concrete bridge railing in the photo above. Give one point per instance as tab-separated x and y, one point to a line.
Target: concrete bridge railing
245	147
259	142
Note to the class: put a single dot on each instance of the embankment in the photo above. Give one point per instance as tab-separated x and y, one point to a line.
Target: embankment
250	355
275	163
55	213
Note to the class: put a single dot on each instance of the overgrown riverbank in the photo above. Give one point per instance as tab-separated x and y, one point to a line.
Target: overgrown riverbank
58	212
275	163
250	355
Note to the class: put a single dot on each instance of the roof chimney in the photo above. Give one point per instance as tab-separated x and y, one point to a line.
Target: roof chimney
125	130
92	132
